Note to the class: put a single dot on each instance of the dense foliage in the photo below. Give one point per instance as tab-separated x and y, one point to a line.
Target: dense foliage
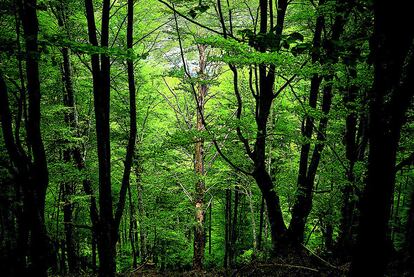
172	136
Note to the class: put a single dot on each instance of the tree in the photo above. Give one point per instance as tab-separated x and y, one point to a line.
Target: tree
389	100
108	225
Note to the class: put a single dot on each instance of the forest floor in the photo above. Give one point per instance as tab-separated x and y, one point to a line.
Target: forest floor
293	265
308	265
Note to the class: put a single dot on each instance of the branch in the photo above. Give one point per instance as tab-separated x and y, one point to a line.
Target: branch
239	111
405	162
195	22
198	104
288	81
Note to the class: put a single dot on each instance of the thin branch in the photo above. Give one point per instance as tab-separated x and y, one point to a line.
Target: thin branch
198	105
193	21
405	162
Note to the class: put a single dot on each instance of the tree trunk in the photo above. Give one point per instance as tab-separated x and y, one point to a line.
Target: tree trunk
34	190
141	210
259	241
234	226
227	226
307	172
409	234
392	93
199	233
101	89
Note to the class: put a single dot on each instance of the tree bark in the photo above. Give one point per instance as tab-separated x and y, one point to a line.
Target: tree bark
393	90
199	232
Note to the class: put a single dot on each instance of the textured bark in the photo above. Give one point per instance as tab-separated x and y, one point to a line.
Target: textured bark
199	233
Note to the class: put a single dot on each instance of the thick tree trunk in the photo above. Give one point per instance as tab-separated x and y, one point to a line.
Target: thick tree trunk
274	212
393	90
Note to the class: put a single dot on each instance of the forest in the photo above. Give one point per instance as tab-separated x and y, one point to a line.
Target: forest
206	138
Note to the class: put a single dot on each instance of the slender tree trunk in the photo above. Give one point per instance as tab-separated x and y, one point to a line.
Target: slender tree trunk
307	173
209	226
68	188
234	226
227	238
35	191
199	232
101	86
262	207
304	191
253	220
132	229
141	210
263	105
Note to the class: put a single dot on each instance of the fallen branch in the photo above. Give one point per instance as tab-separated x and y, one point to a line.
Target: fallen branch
140	267
290	266
321	259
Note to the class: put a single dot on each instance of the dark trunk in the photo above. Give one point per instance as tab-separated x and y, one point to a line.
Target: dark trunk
304	192
409	233
307	173
106	238
274	212
34	188
392	93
